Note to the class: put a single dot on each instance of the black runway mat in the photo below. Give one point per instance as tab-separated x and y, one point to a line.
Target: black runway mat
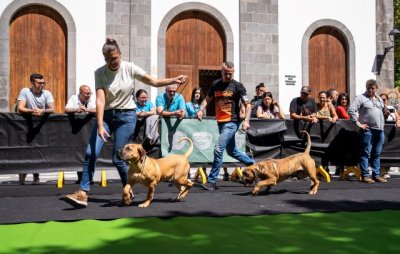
44	202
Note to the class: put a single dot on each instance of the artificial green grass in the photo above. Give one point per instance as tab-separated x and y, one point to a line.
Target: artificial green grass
342	232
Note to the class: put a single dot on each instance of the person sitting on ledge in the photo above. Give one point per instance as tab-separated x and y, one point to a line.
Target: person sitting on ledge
171	103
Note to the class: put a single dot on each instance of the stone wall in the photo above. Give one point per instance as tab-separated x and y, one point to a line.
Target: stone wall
384	24
129	22
259	45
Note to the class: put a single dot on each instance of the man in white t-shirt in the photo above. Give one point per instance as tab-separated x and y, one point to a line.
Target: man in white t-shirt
35	101
82	102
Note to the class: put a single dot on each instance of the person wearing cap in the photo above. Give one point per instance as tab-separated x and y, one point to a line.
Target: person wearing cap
260	91
303	107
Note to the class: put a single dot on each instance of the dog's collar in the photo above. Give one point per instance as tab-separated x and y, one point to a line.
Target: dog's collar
255	172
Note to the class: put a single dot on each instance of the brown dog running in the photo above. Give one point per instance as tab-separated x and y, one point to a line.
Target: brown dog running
150	172
272	171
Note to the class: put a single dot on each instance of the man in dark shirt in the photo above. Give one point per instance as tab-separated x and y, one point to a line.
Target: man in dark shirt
303	107
227	93
260	91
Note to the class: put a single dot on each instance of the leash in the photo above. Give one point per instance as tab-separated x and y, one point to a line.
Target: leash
241	131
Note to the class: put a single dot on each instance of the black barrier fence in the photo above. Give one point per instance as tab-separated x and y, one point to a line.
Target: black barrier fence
58	142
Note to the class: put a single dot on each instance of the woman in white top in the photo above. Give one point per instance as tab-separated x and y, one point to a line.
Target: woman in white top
269	108
115	109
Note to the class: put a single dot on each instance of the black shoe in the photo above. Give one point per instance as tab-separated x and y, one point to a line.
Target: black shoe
209	186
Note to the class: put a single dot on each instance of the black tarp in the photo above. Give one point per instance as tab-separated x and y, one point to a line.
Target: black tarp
58	142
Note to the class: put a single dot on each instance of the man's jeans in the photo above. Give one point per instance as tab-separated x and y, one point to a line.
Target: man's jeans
122	124
226	140
371	147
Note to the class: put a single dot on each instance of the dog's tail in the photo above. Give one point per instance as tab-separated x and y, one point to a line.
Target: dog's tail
307	151
190	150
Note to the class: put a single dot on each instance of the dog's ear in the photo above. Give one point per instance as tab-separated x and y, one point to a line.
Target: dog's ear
142	153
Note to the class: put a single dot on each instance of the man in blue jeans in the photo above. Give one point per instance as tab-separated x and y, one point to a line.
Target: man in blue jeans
367	111
227	93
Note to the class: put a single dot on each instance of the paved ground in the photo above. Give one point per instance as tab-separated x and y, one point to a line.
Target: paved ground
113	174
45	202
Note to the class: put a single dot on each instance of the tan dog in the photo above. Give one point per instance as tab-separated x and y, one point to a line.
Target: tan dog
272	171
150	172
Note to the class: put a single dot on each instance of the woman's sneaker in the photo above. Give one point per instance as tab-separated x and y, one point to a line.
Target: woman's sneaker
79	197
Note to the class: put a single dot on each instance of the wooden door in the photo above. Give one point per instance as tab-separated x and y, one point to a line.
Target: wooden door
38	43
327	54
195	42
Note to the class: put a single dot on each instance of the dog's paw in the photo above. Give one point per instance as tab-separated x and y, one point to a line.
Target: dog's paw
126	201
254	193
144	204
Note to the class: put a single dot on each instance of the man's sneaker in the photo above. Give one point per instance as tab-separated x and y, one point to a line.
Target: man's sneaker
79	197
386	176
209	186
22	179
380	179
225	177
367	179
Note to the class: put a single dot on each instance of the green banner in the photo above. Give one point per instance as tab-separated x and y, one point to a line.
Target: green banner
204	135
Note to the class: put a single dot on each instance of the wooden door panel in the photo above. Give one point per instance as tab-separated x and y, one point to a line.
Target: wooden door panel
327	60
210	40
38	41
175	70
180	40
195	41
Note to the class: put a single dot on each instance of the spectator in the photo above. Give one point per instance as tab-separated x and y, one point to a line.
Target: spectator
194	105
171	103
342	106
260	91
227	93
341	111
303	107
144	108
331	96
269	108
391	116
37	102
371	122
325	109
115	109
389	111
147	117
82	102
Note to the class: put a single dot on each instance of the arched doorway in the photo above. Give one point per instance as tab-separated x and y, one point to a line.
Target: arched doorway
327	60
195	46
38	43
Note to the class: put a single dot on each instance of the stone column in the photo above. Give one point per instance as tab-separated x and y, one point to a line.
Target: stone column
384	24
259	45
129	22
